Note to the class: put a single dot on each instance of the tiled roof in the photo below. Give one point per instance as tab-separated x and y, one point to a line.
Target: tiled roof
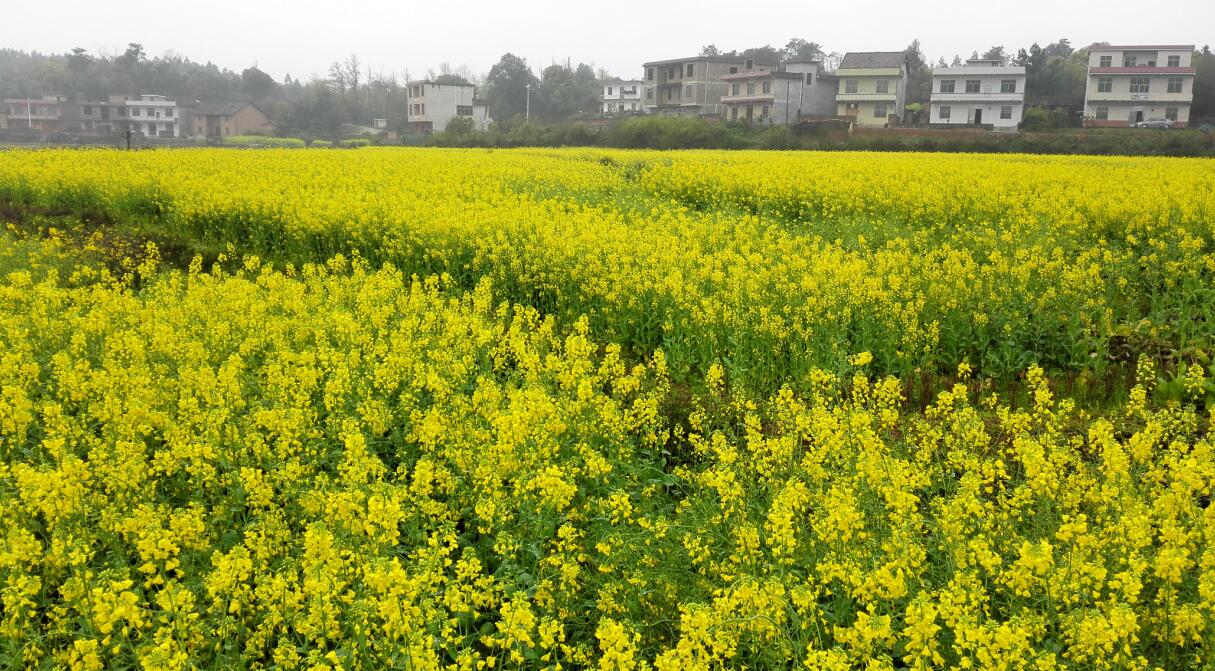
863	60
219	109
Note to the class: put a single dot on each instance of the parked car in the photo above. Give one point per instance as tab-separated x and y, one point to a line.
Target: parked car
1156	122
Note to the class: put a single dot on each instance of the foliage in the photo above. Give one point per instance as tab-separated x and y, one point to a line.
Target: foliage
507	85
262	141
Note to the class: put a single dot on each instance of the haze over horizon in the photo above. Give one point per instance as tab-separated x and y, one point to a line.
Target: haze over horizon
302	38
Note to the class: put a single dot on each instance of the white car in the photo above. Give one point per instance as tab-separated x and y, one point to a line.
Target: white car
1156	122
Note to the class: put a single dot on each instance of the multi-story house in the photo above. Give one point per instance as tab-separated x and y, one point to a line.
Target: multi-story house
622	97
692	86
982	92
1128	84
147	114
795	89
872	87
431	106
48	114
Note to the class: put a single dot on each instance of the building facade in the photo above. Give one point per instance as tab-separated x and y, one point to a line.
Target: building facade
148	114
1130	84
781	96
692	86
622	97
980	93
872	87
224	119
430	106
48	114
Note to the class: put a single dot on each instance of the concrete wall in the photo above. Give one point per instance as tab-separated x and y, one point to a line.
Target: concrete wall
963	112
1120	114
439	103
868	98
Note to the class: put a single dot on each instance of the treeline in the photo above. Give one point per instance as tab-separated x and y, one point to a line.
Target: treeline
683	133
352	93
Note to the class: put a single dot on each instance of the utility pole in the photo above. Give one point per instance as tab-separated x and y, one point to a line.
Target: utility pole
528	107
29	115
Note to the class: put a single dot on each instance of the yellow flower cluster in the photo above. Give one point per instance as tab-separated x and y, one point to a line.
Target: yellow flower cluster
626	411
776	264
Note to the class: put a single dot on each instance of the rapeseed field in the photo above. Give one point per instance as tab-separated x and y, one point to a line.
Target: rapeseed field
567	409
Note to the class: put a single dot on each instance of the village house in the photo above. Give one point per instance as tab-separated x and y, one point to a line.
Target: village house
622	96
982	92
224	119
47	114
797	88
693	86
872	87
431	106
1130	84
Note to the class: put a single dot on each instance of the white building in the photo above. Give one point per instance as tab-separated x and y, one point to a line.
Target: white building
1129	84
796	89
982	92
622	97
431	106
152	115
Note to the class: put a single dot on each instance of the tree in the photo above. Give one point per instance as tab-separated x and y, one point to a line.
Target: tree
996	54
1203	107
919	75
450	78
710	50
507	84
1062	49
957	61
765	55
79	61
133	56
799	49
257	84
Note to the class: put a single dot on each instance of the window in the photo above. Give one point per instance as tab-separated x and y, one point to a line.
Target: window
851	86
670	73
649	74
690	69
1106	61
750	65
947	87
1174	61
1170	113
1103	113
1129	61
879	111
1174	84
809	77
767	86
687	93
734	71
1006	112
649	94
763	112
168	112
733	112
734	89
1105	84
750	88
610	91
944	111
134	111
466	110
1140	84
972	85
88	111
883	86
1008	86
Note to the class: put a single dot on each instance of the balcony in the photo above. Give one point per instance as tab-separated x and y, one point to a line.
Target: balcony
865	97
751	98
986	96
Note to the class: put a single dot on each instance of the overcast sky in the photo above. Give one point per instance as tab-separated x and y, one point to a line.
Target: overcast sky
301	37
